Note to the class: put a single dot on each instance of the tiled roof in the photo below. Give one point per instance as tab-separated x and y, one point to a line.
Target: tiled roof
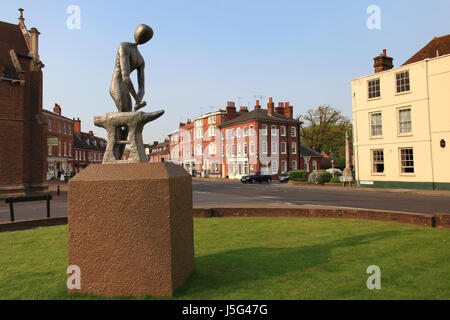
11	37
79	142
305	151
439	45
258	115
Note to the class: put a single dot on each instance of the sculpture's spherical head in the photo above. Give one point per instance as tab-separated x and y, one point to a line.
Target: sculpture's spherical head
143	33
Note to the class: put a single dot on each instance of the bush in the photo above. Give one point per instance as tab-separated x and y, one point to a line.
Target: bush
319	177
298	175
337	172
335	179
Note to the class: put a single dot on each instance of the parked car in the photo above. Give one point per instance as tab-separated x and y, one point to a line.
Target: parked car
284	177
256	177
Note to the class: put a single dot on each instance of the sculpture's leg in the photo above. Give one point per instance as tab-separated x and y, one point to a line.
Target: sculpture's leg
121	96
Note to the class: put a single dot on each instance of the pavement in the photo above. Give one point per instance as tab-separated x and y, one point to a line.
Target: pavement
232	193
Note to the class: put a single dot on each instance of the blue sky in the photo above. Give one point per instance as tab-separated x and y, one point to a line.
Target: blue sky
207	52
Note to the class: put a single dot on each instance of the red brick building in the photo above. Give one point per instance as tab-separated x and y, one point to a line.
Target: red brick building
265	140
160	152
23	160
231	143
87	148
59	156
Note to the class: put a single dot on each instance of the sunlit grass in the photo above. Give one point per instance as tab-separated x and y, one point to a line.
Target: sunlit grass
262	258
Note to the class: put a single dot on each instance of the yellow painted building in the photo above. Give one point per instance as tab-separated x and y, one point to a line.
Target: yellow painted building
401	121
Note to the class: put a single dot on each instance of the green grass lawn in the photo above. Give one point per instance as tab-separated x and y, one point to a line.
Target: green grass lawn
262	258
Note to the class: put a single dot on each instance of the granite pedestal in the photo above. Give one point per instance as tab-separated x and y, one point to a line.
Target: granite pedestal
131	228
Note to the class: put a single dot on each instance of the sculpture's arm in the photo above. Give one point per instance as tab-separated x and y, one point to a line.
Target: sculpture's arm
141	82
124	58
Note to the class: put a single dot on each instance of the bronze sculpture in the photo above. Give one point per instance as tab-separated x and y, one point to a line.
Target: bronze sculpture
128	122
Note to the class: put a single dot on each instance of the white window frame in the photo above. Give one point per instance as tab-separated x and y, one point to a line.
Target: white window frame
273	130
401	123
285	149
376	93
377	160
294	147
294	165
402	85
274	167
374	126
264	147
283	131
293	131
251	130
402	166
283	166
274	148
264	130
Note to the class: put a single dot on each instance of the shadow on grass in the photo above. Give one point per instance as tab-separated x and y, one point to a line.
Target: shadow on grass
232	269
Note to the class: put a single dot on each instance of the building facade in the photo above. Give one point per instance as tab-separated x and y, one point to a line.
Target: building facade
401	121
231	143
59	157
265	140
87	148
23	140
160	152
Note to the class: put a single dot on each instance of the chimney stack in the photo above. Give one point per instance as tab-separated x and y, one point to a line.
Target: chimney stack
91	133
270	107
57	109
155	143
257	106
35	47
382	62
231	110
243	109
77	126
288	110
24	30
280	108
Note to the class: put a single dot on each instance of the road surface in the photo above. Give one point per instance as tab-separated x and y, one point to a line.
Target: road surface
231	192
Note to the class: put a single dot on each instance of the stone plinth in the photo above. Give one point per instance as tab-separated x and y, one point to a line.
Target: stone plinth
131	228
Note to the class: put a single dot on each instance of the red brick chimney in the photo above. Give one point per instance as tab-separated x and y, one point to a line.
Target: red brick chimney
57	109
182	124
77	125
270	107
288	110
382	62
280	108
155	143
257	106
231	110
243	109
91	133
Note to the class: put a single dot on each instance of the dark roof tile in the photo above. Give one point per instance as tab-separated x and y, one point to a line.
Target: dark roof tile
438	44
258	115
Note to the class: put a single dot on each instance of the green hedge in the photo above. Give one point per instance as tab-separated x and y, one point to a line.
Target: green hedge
335	179
298	175
319	177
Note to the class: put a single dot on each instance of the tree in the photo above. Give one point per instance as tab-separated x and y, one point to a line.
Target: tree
324	130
